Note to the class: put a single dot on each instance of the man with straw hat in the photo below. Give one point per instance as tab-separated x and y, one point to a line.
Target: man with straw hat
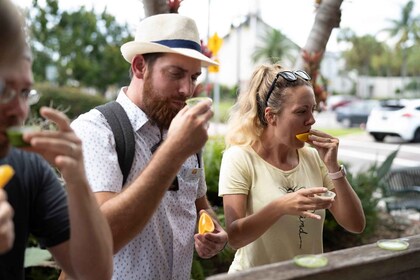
154	215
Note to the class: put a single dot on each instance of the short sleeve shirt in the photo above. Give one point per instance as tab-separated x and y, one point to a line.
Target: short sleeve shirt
40	208
164	249
243	171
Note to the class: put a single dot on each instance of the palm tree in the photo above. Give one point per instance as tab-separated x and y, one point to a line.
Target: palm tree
406	30
363	52
328	16
154	7
276	46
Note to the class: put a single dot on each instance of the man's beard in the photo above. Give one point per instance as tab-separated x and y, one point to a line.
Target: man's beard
157	106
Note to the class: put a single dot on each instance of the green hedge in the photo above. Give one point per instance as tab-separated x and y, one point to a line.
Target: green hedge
73	101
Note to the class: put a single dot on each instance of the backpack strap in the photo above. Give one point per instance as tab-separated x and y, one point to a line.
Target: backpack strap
123	135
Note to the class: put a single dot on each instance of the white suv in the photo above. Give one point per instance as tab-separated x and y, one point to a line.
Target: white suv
397	118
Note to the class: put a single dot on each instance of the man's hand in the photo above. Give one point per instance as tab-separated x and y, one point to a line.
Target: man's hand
7	232
208	245
61	148
188	130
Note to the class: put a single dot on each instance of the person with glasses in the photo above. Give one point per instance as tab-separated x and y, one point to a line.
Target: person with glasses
11	30
271	182
66	220
154	216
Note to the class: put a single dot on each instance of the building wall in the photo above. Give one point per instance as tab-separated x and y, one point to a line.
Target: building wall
236	65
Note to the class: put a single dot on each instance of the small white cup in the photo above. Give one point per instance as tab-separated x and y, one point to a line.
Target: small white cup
191	102
327	194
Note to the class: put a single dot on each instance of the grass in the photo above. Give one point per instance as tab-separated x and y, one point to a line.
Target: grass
223	109
337	132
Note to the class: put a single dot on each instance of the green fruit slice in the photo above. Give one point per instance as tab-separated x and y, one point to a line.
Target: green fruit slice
311	261
392	244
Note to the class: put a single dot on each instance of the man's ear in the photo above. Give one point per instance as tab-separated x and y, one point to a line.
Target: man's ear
138	66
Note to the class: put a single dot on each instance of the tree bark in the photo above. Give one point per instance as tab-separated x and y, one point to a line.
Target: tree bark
154	7
327	17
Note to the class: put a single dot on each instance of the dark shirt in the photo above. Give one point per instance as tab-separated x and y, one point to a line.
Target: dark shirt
40	208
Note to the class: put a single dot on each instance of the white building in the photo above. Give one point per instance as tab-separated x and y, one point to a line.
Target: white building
236	64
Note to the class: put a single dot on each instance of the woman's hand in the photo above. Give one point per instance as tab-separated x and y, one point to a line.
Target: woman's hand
304	202
327	147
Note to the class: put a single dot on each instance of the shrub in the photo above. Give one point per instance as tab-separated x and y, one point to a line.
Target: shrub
72	101
212	157
367	186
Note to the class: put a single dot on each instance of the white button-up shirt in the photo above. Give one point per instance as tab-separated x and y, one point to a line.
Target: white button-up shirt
164	249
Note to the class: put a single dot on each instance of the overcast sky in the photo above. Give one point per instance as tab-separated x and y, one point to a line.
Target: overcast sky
292	17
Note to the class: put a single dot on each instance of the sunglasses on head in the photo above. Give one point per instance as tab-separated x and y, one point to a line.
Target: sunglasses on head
289	76
175	185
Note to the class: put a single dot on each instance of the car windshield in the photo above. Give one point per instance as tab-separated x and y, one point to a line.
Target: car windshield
392	105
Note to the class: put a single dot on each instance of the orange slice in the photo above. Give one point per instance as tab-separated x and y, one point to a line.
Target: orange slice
303	136
6	173
205	223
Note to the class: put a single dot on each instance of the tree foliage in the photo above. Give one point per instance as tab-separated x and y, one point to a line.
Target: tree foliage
276	46
365	54
82	47
406	30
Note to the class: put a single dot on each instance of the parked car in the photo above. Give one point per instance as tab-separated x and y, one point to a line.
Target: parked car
335	101
355	113
396	118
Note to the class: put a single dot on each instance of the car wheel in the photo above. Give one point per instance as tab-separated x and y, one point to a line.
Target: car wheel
379	137
416	137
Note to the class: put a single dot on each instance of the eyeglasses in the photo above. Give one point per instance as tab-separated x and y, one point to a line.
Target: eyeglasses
7	94
175	185
289	76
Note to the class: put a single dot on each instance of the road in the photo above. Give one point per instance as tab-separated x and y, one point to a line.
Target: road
361	151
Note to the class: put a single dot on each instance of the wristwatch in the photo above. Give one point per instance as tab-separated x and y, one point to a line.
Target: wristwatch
339	174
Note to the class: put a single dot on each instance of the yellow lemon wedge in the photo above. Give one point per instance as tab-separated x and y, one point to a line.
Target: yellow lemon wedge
205	223
6	173
303	136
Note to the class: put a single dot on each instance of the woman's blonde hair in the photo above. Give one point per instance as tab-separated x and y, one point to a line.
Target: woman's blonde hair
247	118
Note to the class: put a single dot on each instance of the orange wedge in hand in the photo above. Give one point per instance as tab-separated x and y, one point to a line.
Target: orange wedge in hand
303	136
6	173
205	223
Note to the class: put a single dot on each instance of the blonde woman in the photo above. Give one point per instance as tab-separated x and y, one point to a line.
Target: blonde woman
271	182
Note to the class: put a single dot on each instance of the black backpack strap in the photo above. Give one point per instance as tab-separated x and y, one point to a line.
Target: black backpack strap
198	155
123	134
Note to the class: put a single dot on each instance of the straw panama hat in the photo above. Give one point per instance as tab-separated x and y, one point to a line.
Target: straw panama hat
167	33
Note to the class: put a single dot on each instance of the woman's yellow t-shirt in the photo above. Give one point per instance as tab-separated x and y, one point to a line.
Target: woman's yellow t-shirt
243	171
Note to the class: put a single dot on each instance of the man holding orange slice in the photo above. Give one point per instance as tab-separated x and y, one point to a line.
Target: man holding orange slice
154	215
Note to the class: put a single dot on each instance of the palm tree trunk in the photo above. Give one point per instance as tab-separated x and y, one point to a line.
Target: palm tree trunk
154	7
328	17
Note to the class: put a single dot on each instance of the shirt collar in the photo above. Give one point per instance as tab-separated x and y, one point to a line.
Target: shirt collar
137	117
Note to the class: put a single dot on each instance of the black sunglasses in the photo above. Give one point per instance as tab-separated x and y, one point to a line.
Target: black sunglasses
175	185
289	76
